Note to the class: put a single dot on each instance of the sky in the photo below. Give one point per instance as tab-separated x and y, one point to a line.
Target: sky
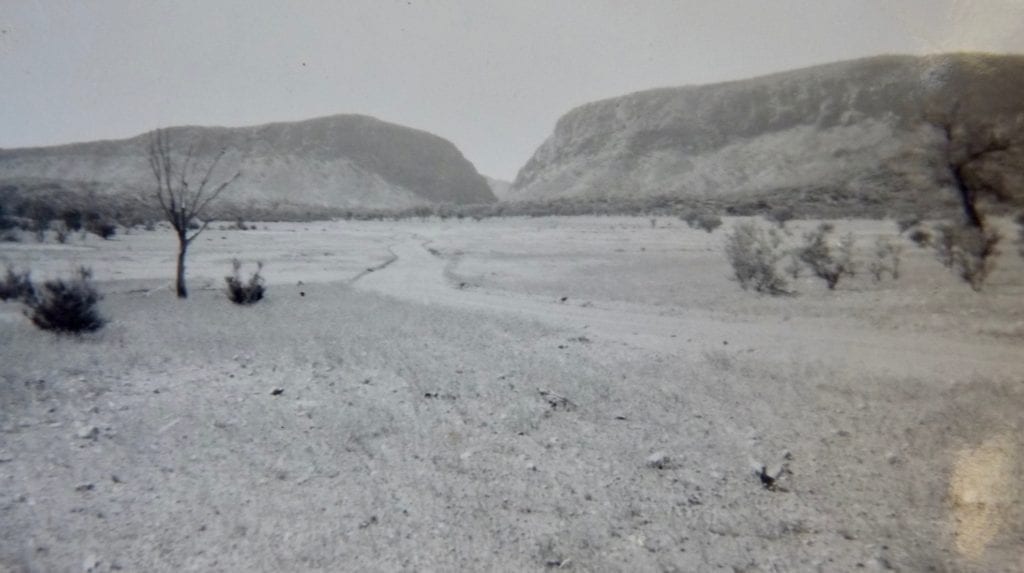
492	76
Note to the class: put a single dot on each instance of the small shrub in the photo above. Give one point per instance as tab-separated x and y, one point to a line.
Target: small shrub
101	228
921	238
780	216
62	232
16	286
827	265
887	259
5	221
245	292
73	219
67	306
701	219
754	254
968	251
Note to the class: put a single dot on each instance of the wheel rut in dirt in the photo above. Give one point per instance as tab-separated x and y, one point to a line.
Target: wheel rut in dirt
418	275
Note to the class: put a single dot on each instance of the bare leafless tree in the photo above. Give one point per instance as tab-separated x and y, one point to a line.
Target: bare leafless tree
184	191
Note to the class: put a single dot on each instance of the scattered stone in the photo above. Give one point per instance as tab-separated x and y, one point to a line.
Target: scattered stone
621	417
556	401
659	460
115	478
769	476
438	395
85	487
368	522
88	432
277	391
91	563
563	299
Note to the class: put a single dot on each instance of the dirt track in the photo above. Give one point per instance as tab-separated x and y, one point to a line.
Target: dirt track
419	276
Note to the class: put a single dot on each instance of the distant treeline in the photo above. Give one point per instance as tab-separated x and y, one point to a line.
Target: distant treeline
799	203
33	205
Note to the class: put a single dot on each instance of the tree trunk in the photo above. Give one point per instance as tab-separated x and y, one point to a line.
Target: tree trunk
967	200
182	247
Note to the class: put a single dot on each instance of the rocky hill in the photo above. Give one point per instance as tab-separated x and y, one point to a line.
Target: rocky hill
863	128
343	161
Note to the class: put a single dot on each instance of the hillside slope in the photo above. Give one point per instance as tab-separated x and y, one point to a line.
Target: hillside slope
338	161
849	128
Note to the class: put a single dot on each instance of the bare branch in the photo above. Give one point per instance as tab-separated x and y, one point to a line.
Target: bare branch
216	192
196	234
206	178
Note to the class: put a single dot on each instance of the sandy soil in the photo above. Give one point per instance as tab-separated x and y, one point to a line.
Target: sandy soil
522	394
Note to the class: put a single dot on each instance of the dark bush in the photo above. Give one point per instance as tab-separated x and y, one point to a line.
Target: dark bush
818	254
67	306
920	237
104	229
968	251
73	219
245	292
754	255
702	219
16	286
780	216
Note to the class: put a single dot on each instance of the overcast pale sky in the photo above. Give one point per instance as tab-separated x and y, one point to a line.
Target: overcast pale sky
492	76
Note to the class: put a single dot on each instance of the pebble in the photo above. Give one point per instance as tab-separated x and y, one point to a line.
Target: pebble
659	460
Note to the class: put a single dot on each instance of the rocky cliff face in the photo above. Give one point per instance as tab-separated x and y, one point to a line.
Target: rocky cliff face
863	127
339	161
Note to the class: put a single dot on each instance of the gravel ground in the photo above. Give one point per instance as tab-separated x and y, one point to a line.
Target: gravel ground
419	396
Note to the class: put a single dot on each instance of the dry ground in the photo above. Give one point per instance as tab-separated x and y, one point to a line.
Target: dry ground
521	394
